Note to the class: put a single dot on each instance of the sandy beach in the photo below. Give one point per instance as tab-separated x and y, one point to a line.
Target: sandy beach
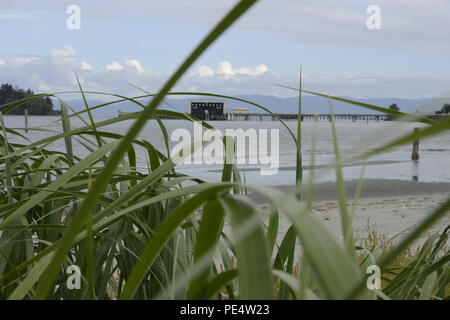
393	206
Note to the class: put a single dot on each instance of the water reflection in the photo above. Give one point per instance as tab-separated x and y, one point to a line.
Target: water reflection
415	170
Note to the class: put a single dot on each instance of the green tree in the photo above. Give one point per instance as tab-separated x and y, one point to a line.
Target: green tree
395	107
41	106
445	108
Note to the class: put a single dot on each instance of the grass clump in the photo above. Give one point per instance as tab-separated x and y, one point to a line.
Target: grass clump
414	268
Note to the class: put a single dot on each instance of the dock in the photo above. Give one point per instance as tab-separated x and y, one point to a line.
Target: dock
313	117
249	116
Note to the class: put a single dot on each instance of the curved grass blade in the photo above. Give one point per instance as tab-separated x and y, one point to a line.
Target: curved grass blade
255	278
210	229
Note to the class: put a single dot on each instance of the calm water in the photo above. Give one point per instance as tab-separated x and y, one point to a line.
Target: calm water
354	138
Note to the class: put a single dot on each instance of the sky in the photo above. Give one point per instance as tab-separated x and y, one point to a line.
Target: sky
124	42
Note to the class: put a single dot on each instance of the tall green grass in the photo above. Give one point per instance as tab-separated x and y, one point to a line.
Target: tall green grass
147	234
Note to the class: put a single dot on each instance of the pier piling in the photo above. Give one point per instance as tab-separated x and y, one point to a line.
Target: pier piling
25	113
415	150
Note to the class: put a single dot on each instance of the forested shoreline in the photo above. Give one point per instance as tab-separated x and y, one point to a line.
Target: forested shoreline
39	106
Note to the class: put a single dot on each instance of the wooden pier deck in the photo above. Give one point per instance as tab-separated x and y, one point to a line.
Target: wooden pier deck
314	117
308	117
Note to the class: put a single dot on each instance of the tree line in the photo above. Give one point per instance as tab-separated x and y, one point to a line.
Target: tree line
40	107
444	110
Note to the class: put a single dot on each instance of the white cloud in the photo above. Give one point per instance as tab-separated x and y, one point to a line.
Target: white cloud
260	69
18	61
204	71
225	69
67	51
55	72
114	66
85	66
136	64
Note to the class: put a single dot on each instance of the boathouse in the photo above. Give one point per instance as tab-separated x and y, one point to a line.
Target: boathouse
208	110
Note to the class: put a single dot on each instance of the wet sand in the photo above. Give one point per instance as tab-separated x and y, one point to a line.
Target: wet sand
371	188
393	206
391	216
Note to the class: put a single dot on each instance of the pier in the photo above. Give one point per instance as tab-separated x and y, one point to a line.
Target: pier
282	116
243	116
313	117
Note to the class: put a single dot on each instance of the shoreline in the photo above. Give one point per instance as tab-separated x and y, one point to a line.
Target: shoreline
328	166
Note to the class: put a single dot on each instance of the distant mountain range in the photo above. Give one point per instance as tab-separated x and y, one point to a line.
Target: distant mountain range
311	104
